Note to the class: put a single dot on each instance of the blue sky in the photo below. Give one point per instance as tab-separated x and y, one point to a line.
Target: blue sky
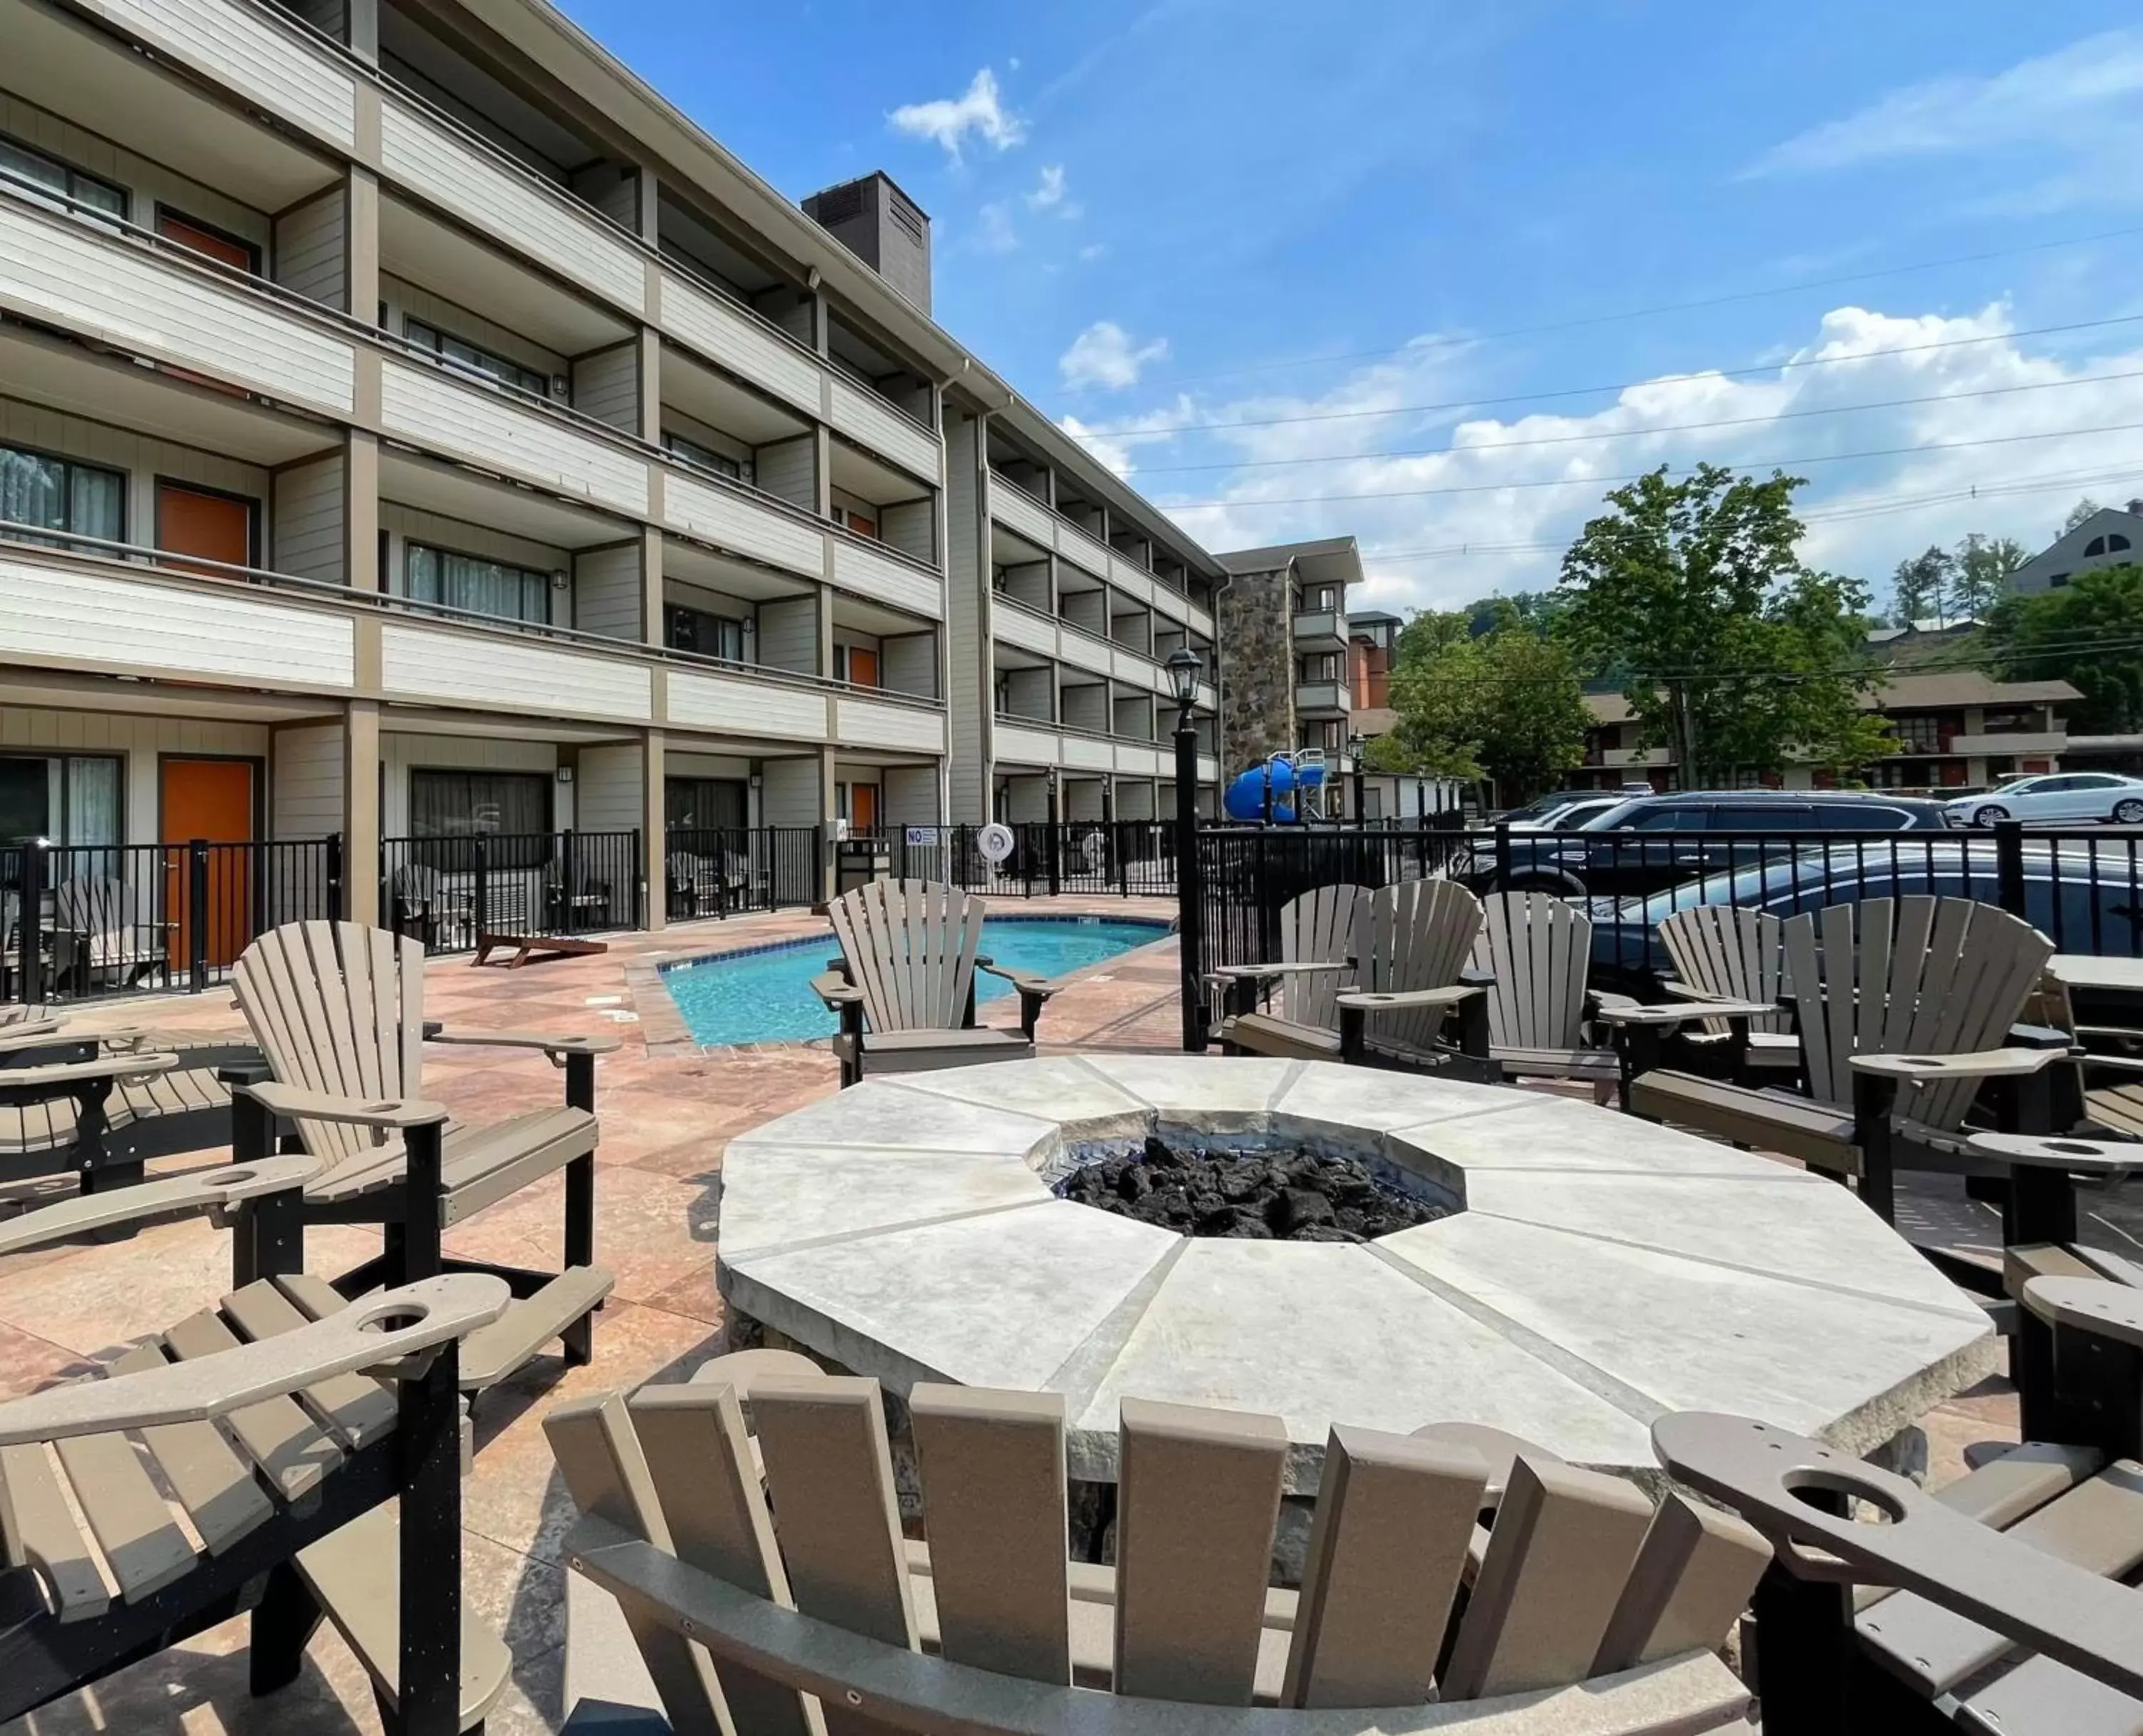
1162	222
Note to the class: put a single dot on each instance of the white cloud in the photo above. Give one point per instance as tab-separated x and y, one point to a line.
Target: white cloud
1480	492
1049	195
2079	103
1105	355
997	235
1094	251
980	110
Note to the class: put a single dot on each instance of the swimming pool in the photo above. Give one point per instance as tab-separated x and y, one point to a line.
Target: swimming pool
763	995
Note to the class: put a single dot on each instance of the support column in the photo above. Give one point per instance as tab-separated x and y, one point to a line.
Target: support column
829	812
653	825
364	29
651	629
361	244
360	811
360	510
826	633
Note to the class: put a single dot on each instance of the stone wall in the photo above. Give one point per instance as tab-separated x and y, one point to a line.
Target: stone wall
1255	628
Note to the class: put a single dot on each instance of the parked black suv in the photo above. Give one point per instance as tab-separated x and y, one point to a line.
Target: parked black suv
1651	842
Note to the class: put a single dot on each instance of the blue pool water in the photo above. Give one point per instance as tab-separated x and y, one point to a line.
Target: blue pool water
764	995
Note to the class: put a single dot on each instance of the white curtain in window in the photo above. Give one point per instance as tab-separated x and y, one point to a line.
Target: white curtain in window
488	587
93	802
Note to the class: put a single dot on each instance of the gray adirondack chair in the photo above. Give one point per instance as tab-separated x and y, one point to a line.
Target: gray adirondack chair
318	1477
1590	1612
1371	976
1998	1604
112	933
904	986
1903	1006
1538	951
1722	953
338	1010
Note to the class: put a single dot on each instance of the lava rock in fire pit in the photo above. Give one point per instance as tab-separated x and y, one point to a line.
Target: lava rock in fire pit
1290	1196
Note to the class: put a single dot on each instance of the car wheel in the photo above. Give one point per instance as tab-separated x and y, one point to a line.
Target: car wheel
2129	813
1990	815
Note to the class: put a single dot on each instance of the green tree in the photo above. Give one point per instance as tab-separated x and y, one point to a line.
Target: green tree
1426	633
1507	706
1980	571
1920	586
1739	656
2087	633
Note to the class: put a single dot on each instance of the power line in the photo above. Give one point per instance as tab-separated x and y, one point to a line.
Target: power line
1669	427
1429	345
1749	464
1790	365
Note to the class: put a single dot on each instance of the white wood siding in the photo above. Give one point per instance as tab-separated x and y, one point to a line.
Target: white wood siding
911	794
790	469
308	514
1030	747
1145	762
735	521
54	270
237	45
1011	506
305	783
1131	578
790	795
435	410
738	342
911	526
607	386
1097	756
55	613
737	704
870	574
467	182
514	677
607	591
1083	651
788	635
1030	632
969	606
870	423
864	725
1130	667
1081	550
310	241
911	663
607	789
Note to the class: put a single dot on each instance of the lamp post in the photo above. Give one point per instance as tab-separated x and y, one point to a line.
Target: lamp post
1355	746
1183	672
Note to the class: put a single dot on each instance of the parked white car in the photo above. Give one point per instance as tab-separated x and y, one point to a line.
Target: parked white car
2052	799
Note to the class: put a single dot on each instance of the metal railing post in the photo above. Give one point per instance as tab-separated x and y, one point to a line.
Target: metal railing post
1502	880
568	865
483	886
1055	853
1189	909
31	942
197	914
2009	865
332	871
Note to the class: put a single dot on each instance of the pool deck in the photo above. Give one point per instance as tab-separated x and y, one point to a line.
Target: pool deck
668	1109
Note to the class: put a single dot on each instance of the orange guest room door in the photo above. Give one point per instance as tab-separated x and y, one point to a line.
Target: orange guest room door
211	799
863	808
196	521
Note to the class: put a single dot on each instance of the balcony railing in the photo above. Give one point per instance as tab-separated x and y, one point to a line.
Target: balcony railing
1039	523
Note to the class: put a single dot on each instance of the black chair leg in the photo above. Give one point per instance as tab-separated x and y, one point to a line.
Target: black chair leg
283	1623
428	1434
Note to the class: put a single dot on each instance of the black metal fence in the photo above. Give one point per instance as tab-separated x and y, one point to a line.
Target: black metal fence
80	921
722	871
2083	889
1121	858
450	891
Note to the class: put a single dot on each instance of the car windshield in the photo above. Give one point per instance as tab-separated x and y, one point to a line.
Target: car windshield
1542	806
1613	819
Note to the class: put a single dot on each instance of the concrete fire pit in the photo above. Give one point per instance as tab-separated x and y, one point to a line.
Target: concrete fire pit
1597	1270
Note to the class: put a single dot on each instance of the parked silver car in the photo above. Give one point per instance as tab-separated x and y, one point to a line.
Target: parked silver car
2052	798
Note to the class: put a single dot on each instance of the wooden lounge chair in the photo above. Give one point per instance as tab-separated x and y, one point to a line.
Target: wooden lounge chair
421	902
313	1447
1589	1612
338	1010
1374	977
108	933
1722	953
1903	1007
1538	951
904	985
1994	1606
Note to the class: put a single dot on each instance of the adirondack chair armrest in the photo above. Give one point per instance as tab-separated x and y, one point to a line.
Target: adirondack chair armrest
554	1046
836	991
176	1196
1260	973
2099	1306
1986	1063
1034	992
384	1115
1600	1002
1683	1013
57	1075
374	1333
1402	1000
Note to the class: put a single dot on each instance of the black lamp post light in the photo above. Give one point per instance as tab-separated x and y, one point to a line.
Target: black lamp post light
1355	746
1184	670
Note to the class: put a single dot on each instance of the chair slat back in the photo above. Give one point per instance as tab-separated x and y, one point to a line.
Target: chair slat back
992	1474
1738	954
1562	1551
1539	950
93	905
599	1455
1693	1578
1321	926
1197	1493
1415	934
336	1008
1387	1549
699	1458
910	946
1908	976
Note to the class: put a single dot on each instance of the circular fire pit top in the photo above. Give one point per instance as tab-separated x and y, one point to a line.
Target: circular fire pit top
1598	1272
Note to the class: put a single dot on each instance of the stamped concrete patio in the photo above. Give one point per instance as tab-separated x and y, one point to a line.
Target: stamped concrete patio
668	1109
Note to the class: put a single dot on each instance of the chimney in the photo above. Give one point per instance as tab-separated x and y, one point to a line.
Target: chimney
2136	506
882	226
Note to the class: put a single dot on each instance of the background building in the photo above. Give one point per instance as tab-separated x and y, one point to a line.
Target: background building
2112	537
1286	683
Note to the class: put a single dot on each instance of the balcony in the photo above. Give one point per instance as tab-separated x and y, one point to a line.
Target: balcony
869	419
1021	741
1323	699
2016	741
1622	758
1322	630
